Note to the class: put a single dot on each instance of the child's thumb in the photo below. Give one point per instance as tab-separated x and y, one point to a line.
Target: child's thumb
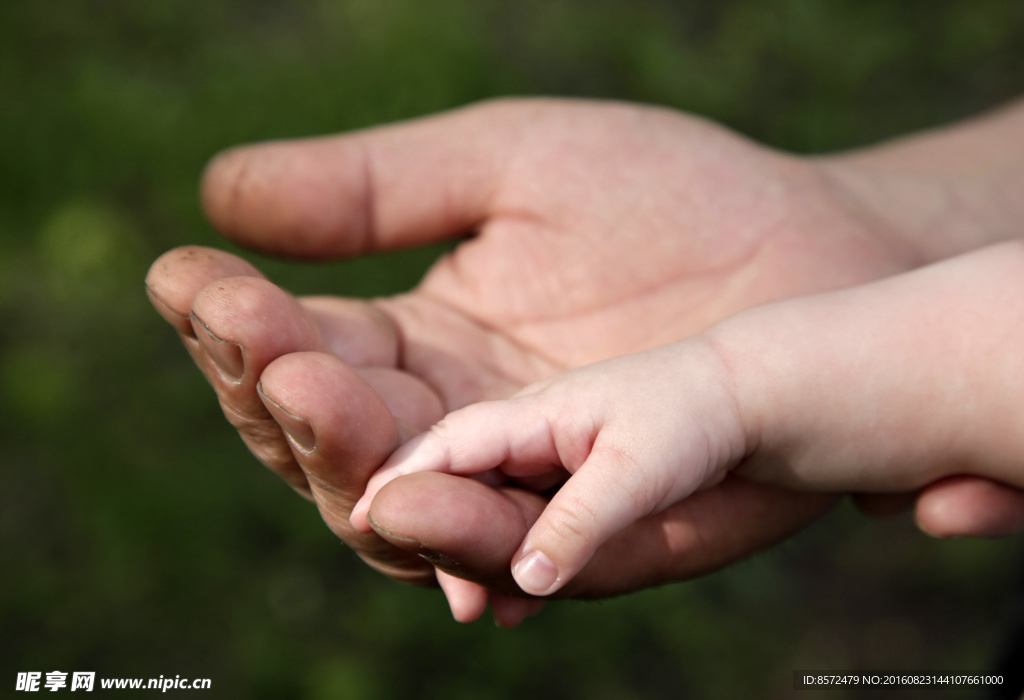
607	494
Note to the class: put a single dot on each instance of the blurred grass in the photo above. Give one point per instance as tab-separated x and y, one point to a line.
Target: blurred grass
138	537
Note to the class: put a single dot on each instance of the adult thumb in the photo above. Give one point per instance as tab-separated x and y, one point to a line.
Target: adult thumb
387	187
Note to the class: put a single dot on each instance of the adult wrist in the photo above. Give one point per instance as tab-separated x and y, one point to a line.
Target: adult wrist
942	192
934	216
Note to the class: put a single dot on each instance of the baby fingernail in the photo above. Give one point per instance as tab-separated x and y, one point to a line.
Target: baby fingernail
225	354
535	573
298	430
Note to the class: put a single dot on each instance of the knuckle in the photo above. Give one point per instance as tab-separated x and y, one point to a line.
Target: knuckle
442	430
574	523
335	513
274	454
269	447
259	424
446	443
263	436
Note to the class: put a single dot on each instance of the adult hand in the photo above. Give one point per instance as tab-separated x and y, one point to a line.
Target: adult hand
600	229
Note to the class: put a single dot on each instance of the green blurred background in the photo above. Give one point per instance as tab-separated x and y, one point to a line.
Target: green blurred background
137	535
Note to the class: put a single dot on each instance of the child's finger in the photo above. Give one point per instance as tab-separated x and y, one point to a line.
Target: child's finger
507	434
406	460
607	494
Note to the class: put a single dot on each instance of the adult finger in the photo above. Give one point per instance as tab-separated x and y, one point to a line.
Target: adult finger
354	330
242	324
340	430
968	506
510	611
377	189
230	339
483	528
174	279
234	323
466	599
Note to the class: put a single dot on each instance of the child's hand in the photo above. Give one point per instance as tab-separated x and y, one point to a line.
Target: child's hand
636	434
886	387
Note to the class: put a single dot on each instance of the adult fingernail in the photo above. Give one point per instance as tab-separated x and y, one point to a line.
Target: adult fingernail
535	573
297	430
441	561
227	356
